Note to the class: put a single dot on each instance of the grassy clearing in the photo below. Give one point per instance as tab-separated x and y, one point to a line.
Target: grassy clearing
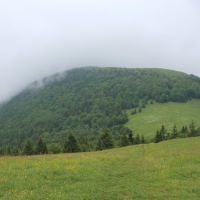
154	115
167	170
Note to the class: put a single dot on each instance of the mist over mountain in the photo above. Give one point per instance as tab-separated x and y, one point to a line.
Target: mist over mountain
41	38
88	100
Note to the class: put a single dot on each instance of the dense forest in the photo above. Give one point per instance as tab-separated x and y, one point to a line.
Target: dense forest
86	101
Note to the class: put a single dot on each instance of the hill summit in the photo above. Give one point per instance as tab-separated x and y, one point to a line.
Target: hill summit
87	100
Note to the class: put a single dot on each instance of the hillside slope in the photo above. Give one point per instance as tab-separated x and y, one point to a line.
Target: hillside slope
167	170
168	114
86	100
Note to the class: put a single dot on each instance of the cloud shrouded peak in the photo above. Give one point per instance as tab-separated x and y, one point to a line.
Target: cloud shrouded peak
39	38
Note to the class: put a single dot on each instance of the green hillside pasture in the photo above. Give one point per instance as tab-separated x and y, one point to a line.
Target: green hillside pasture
167	170
154	115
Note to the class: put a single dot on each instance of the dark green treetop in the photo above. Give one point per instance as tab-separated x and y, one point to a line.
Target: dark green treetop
124	140
28	148
41	147
71	145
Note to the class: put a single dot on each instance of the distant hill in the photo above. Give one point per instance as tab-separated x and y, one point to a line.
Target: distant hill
87	100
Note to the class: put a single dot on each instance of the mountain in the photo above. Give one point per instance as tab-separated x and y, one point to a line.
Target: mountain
87	100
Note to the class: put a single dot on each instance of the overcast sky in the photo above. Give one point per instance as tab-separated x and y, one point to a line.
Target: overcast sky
41	37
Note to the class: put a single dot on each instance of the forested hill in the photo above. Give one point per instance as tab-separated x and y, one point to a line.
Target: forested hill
86	100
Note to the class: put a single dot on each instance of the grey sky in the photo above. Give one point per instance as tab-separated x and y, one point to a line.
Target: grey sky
42	37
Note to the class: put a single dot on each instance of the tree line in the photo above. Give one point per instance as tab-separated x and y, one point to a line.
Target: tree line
72	145
186	131
105	141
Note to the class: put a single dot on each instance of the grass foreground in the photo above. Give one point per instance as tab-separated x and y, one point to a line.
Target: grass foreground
167	170
154	115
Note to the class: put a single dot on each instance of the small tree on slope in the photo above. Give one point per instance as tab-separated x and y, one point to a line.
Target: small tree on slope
71	144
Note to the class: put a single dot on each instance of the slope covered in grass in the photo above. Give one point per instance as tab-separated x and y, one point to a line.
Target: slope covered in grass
167	170
154	115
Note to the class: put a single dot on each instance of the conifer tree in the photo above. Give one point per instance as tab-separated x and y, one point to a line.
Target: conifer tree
107	140
71	144
131	138
183	129
137	139
142	139
192	130
124	140
163	133
174	132
99	146
28	148
158	137
41	147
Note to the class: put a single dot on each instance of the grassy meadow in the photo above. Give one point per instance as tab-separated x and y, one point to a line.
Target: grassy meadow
167	170
154	115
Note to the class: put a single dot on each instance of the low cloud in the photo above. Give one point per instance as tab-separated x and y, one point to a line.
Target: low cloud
40	38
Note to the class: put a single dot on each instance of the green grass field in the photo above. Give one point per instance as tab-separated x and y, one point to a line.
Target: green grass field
154	115
167	170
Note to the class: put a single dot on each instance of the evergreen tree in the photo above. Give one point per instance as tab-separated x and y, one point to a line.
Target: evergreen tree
174	132
28	148
41	147
163	133
192	130
71	145
142	139
107	140
99	145
137	139
186	129
183	129
124	140
130	137
157	137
